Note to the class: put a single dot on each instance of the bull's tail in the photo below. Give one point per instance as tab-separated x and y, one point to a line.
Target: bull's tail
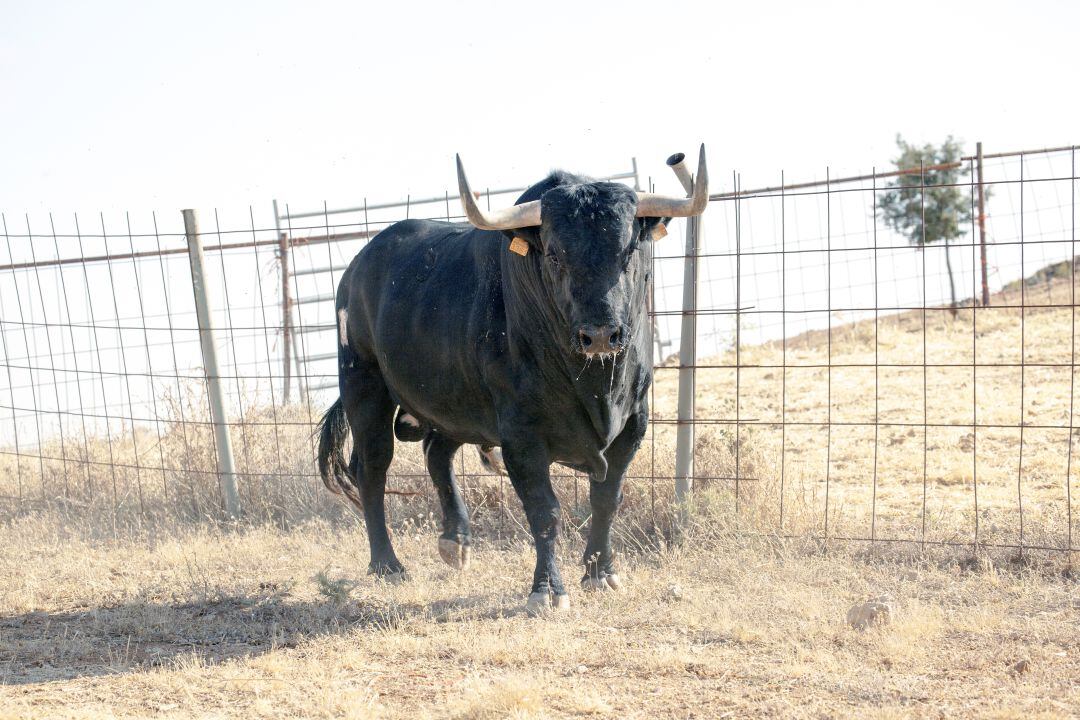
333	431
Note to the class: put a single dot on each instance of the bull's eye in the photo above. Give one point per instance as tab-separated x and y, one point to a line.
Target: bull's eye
553	259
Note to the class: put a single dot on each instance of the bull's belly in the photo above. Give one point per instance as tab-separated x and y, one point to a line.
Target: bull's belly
570	438
457	416
462	406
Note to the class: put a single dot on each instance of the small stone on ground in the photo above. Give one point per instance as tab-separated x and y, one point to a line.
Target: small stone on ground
876	611
1020	667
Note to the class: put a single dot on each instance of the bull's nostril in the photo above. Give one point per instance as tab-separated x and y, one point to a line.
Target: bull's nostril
600	339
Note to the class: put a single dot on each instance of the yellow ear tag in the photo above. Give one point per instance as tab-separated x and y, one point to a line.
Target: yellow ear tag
659	232
519	246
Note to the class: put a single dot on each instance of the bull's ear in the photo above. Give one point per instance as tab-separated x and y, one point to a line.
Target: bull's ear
522	240
654	228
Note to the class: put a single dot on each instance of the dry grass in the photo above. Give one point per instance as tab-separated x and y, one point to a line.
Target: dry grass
885	474
270	623
123	594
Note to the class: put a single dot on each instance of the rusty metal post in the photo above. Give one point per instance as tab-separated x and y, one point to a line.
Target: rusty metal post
286	315
982	224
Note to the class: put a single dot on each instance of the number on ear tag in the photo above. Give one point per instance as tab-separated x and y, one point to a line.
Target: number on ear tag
659	232
519	246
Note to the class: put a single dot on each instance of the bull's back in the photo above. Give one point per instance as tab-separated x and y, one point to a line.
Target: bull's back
424	301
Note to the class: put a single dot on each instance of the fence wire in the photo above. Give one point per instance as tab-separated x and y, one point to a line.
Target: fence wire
839	392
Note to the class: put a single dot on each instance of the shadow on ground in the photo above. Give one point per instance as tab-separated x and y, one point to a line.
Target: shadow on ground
38	647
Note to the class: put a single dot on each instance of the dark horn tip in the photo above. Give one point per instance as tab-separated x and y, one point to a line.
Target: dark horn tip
676	159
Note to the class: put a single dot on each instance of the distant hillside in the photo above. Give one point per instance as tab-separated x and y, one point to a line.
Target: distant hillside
1055	271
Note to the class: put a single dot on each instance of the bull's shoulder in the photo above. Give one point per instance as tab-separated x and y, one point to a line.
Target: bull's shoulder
403	240
401	246
410	234
429	265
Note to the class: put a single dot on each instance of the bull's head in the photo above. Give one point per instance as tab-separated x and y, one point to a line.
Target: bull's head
595	240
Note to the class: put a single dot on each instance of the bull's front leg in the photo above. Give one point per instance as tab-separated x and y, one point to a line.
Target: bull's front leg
528	464
605	496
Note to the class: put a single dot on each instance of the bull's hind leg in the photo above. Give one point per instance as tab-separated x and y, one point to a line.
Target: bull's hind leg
370	412
454	540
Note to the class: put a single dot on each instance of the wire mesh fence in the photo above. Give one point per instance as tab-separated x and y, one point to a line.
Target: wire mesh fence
840	392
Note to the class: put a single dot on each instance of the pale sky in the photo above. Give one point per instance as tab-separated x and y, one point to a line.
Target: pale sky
142	107
156	106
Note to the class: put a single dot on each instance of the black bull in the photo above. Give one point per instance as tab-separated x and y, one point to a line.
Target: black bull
545	354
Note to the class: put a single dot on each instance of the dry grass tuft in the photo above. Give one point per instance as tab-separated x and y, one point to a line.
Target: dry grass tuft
507	697
337	591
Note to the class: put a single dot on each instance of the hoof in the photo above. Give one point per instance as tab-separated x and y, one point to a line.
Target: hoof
454	554
542	602
611	581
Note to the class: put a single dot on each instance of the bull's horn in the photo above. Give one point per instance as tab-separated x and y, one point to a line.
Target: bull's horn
511	218
653	205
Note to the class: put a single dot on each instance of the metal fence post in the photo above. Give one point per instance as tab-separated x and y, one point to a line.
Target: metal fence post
684	438
982	224
293	338
226	468
287	303
286	314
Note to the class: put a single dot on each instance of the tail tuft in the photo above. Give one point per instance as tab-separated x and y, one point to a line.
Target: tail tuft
333	430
